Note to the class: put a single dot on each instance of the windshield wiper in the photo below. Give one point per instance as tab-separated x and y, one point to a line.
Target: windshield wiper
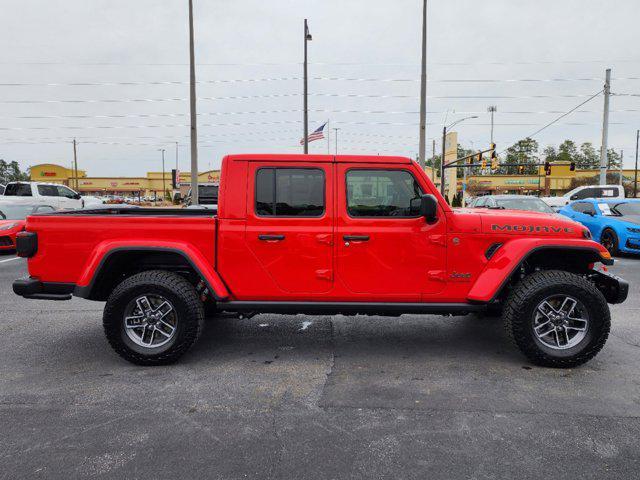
497	207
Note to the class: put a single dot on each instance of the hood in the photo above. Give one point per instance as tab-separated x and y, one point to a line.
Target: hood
633	219
519	222
19	225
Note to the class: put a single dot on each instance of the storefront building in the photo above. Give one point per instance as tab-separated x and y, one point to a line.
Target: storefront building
150	185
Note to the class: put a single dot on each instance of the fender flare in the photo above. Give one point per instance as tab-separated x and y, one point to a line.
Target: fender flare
510	257
100	257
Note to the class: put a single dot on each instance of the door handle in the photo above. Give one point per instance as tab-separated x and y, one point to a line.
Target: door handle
271	238
355	238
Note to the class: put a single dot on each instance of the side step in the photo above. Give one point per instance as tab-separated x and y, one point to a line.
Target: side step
350	308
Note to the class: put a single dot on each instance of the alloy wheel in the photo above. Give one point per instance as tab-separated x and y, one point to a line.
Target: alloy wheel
150	321
560	322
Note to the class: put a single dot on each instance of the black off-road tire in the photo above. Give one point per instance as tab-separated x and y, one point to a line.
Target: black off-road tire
613	242
526	296
183	297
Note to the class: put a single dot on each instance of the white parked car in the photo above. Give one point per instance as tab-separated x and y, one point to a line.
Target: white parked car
586	191
36	193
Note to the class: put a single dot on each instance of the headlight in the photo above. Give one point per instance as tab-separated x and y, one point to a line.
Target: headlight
9	226
586	233
633	230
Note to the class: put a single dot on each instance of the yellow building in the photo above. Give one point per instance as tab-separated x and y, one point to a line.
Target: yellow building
557	183
149	185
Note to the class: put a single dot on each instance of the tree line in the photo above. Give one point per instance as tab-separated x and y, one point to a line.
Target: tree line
527	152
10	172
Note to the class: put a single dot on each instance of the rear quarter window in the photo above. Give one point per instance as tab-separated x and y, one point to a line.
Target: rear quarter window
18	190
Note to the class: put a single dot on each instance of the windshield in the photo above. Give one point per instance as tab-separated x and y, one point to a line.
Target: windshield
630	208
529	204
15	212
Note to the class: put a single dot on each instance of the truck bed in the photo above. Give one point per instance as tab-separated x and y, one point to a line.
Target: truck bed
70	243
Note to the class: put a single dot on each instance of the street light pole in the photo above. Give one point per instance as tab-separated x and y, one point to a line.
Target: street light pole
336	135
164	187
635	175
307	37
423	89
605	128
492	109
192	107
444	139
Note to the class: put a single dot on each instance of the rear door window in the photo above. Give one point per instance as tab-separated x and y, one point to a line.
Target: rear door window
48	190
600	192
18	190
290	192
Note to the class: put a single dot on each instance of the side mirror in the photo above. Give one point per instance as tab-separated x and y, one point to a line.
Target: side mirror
429	208
77	196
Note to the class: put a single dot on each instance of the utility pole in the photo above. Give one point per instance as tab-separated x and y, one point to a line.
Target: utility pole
635	175
605	128
164	187
192	107
444	139
621	162
336	135
307	37
423	89
176	156
492	109
433	161
75	164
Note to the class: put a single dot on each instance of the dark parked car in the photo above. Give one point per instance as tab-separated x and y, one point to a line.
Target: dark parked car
511	202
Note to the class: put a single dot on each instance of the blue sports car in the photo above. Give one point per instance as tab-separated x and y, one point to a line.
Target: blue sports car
615	223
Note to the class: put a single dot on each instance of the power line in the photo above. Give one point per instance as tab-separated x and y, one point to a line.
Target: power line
561	116
340	79
284	95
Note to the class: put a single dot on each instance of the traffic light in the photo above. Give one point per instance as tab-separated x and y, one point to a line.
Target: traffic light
547	168
492	147
494	163
520	169
483	162
572	167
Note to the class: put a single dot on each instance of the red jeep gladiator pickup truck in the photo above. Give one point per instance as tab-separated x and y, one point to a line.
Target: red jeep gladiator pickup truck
320	234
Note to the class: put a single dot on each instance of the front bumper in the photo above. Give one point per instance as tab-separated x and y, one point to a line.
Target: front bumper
614	288
35	289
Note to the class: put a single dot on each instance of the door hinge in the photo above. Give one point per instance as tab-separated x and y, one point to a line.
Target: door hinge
437	275
325	274
437	239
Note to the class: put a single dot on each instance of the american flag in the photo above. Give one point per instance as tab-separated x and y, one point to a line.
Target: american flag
317	134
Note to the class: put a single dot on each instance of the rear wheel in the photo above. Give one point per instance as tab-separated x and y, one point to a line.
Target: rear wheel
557	318
609	240
153	318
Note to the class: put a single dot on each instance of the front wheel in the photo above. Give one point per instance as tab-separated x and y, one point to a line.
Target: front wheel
557	319
609	240
153	317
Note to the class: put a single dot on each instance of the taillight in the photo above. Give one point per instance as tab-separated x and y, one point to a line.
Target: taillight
26	244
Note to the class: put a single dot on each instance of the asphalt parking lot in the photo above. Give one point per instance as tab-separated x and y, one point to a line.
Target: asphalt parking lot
311	397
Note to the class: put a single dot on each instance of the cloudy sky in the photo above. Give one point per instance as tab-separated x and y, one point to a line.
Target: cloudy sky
114	75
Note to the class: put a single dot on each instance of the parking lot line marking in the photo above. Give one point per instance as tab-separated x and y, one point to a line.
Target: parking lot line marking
10	259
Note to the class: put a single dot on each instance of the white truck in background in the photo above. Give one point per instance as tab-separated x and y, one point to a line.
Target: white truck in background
585	191
36	193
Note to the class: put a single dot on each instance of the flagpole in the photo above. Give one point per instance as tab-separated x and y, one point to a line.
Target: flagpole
328	138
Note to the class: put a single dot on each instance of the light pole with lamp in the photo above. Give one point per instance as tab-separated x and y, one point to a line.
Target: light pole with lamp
307	38
444	140
164	188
